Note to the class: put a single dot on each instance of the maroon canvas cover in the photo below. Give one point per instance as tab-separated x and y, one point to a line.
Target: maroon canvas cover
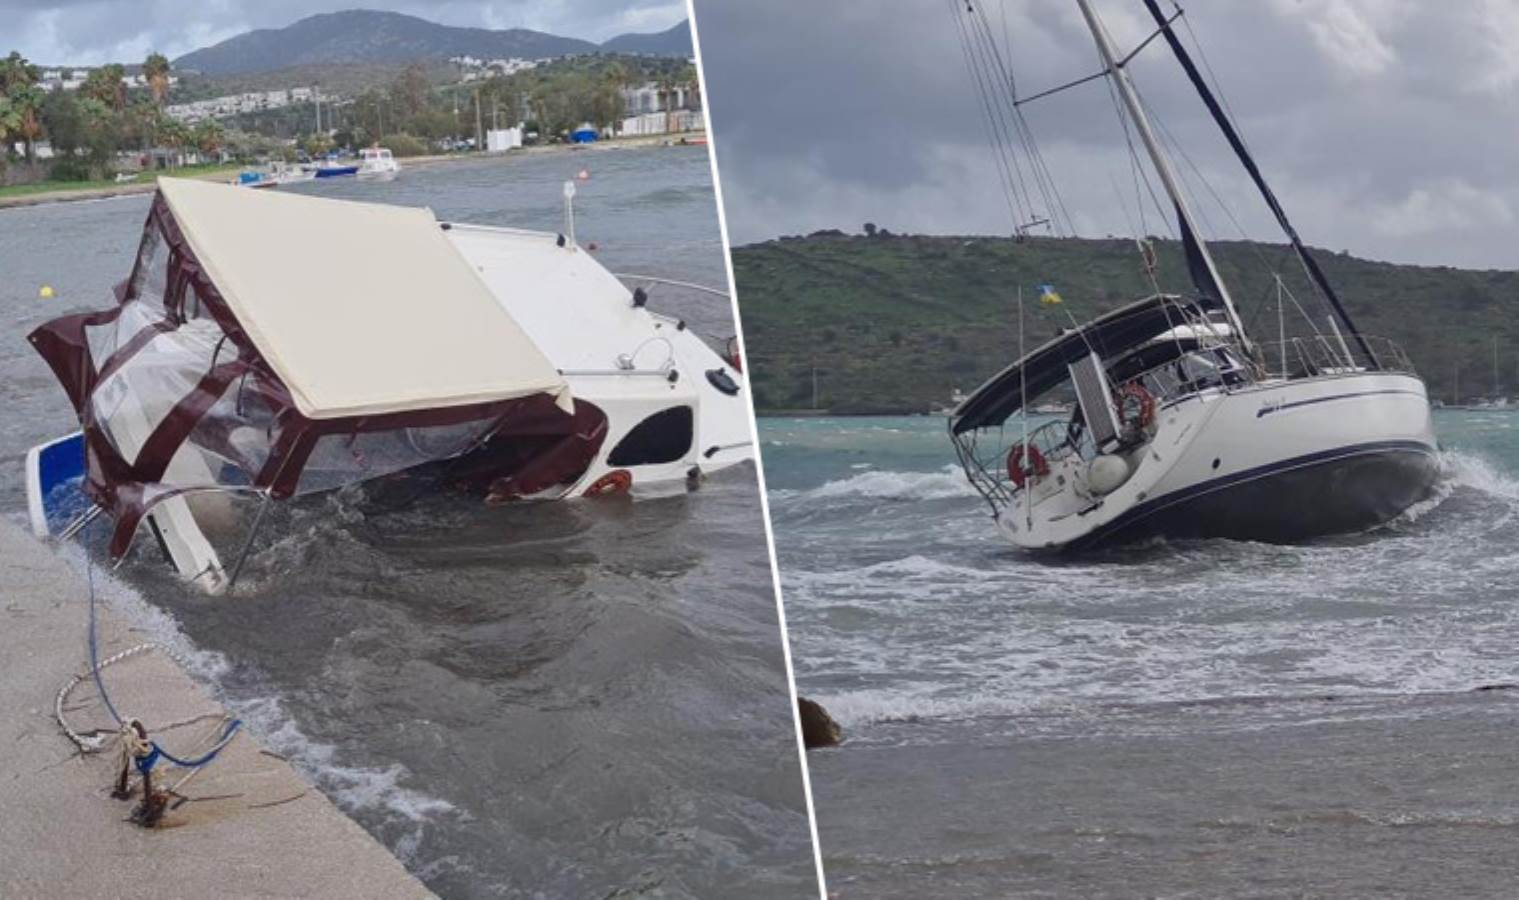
171	345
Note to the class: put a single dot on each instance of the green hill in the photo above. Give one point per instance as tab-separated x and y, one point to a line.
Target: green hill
893	323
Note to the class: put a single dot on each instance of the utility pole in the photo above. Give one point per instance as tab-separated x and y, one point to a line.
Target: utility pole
479	131
316	95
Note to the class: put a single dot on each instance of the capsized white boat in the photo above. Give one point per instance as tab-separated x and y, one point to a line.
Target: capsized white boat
509	363
1182	428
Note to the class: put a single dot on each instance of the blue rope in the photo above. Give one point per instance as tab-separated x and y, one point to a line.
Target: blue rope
145	764
89	572
208	756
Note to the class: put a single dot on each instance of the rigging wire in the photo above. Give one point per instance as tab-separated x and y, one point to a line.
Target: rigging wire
996	78
994	138
1049	191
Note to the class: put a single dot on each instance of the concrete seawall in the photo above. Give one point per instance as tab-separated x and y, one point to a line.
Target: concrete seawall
253	828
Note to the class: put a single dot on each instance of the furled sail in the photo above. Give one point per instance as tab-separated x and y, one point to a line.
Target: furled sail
1238	144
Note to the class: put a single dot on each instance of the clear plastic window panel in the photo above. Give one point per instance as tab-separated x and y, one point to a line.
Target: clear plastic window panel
342	459
133	401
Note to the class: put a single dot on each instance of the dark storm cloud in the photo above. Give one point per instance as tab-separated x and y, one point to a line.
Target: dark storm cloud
95	31
1388	127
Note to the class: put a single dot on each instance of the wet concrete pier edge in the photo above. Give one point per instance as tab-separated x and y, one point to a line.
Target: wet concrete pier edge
259	831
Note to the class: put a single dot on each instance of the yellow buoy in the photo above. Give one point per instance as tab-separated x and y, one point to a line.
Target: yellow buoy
46	293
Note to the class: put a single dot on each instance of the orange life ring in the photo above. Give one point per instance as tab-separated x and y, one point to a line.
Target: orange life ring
617	481
1036	461
1144	413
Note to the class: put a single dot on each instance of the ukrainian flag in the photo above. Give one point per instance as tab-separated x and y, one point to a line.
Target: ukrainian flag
1048	295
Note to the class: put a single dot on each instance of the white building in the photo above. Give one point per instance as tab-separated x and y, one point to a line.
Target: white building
235	104
648	98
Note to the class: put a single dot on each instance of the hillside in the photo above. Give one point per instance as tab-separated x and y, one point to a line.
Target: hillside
369	36
894	323
676	41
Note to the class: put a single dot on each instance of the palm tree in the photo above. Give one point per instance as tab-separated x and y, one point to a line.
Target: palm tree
156	70
105	84
28	103
20	102
618	79
140	122
10	124
690	82
667	87
16	72
173	134
209	136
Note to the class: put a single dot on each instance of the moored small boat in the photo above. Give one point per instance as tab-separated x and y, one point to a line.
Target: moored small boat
377	164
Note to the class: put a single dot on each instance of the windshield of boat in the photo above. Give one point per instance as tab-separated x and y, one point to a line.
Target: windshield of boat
1169	370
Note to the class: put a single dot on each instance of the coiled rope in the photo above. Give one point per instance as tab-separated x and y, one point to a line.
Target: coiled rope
137	749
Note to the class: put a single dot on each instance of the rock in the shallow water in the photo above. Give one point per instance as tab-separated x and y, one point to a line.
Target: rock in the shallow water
818	728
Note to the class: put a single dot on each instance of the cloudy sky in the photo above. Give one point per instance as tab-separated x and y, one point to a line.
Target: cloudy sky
87	32
1387	127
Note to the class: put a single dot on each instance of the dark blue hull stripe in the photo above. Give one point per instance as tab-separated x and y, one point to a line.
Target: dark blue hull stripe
1268	410
1423	472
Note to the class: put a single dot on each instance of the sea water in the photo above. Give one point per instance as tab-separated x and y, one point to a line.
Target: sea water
1200	717
573	699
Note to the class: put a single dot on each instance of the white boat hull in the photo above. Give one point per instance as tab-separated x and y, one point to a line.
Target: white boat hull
1276	461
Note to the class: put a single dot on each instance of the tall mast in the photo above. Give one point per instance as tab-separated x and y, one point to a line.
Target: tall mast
1159	158
1310	265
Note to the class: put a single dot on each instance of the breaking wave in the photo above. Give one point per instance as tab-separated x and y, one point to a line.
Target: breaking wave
947	483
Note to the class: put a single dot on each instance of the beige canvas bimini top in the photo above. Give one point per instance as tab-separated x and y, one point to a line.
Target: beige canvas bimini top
359	308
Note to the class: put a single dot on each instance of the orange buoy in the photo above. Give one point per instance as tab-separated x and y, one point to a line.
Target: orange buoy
617	481
1036	463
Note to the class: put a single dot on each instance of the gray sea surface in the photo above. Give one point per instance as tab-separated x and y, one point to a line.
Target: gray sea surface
1173	719
580	699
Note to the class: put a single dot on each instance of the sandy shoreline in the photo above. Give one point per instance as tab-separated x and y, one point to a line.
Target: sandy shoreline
143	187
253	827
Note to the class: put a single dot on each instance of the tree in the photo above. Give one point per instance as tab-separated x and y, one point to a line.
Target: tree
410	93
17	72
10	124
65	123
105	84
316	145
870	229
690	83
173	133
504	94
20	102
156	70
27	104
666	86
208	136
618	79
138	125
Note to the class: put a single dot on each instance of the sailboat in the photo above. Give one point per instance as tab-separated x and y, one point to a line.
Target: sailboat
1182	428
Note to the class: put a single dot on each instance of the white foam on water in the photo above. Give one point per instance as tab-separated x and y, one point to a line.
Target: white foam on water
355	789
885	484
1470	470
954	631
853	709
